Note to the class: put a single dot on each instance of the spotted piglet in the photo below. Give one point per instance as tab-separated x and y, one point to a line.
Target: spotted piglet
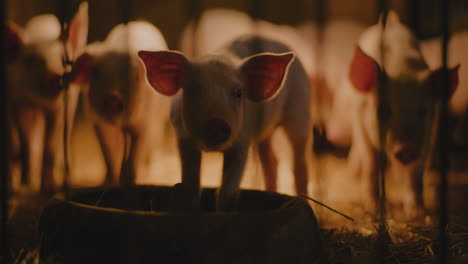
406	113
227	101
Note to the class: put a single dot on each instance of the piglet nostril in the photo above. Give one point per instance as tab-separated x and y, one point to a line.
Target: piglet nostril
216	132
407	154
113	105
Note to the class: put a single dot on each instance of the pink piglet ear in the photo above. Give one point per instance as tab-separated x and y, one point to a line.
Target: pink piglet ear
264	74
81	69
363	71
14	41
435	78
78	32
165	70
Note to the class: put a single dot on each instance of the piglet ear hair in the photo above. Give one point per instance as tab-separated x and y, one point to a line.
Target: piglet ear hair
363	71
14	41
81	69
78	32
165	70
264	74
435	81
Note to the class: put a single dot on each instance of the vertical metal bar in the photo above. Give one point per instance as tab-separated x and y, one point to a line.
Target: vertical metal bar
193	14
125	171
4	140
383	236
64	10
319	134
126	10
444	136
256	12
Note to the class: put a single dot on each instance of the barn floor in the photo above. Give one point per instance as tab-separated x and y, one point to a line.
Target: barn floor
348	241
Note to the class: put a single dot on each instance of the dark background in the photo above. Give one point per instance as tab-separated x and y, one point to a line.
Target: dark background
170	16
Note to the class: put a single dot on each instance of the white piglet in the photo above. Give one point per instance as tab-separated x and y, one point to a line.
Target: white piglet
36	99
407	112
121	101
227	101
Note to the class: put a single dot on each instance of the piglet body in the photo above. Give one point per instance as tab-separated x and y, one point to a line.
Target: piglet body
121	101
405	113
231	100
36	99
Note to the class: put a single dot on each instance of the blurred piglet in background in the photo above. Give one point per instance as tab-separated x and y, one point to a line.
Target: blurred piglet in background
230	100
123	104
36	97
329	61
217	27
406	112
457	55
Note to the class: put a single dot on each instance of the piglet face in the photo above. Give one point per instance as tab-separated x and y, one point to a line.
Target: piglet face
213	104
35	54
37	70
110	79
215	90
410	111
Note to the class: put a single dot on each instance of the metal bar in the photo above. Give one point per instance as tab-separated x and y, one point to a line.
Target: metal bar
444	136
64	13
193	14
383	239
256	12
4	140
126	10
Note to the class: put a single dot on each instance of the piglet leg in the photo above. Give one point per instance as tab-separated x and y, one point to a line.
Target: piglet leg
233	167
362	163
269	164
52	137
412	177
139	157
190	157
112	146
298	132
29	122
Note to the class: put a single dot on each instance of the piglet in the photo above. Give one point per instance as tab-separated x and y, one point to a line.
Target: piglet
230	100
36	102
121	101
405	113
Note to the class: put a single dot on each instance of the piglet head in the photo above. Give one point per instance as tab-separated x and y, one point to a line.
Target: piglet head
111	82
215	90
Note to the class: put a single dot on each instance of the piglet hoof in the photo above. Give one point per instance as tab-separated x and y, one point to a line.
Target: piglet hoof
110	179
413	212
126	176
371	208
183	199
227	203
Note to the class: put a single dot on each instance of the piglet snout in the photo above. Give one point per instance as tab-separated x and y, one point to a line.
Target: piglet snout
216	132
113	105
407	153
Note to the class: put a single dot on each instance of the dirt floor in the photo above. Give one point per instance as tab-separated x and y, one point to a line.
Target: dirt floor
348	241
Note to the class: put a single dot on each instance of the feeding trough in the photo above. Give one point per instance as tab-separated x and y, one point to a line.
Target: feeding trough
133	225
